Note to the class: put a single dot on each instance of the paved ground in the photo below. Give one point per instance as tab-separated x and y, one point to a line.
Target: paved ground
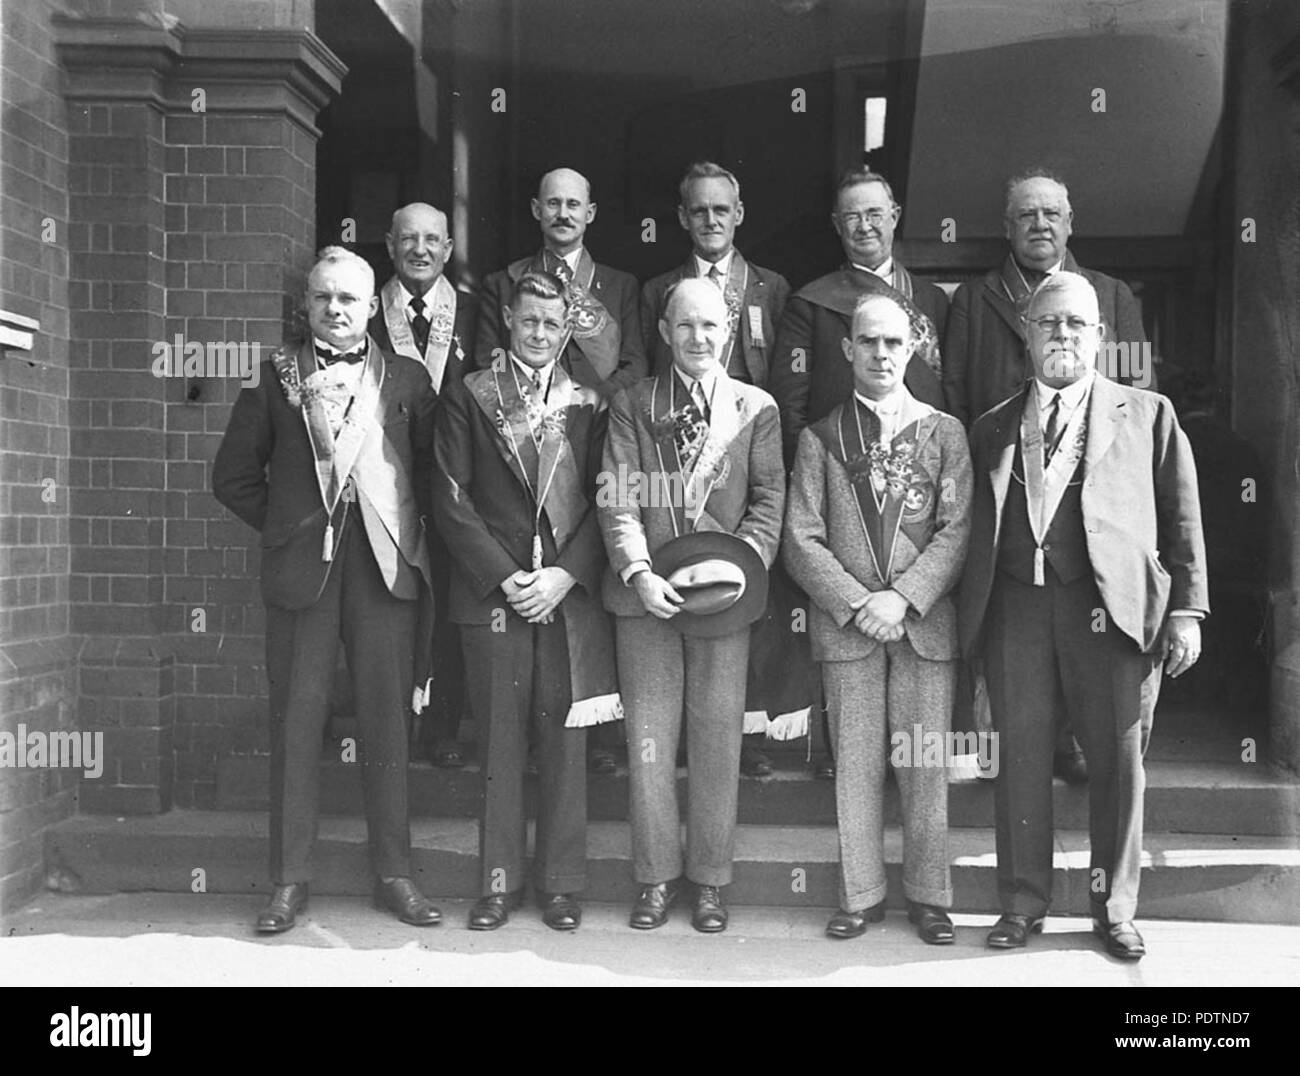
174	939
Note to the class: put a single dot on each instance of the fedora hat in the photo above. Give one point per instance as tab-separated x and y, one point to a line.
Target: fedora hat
721	578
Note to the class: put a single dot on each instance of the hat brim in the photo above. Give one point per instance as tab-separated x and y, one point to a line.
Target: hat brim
708	545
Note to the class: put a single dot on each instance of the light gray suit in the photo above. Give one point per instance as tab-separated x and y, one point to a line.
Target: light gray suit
664	675
875	688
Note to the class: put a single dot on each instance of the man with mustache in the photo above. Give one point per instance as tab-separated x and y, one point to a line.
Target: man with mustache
1086	570
603	349
328	456
422	316
984	351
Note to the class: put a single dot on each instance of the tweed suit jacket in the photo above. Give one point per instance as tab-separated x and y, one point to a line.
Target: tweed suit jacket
825	551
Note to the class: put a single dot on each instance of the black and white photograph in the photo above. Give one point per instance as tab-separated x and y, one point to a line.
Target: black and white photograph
616	493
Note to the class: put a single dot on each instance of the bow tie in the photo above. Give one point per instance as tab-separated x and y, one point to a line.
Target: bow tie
329	358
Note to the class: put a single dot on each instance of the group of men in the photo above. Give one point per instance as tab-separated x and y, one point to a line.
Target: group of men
564	509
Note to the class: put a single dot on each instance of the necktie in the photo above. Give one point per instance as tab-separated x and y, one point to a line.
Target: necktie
419	324
701	404
537	383
1053	432
329	358
715	276
563	271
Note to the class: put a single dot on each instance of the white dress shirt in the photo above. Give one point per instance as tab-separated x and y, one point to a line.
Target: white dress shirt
724	266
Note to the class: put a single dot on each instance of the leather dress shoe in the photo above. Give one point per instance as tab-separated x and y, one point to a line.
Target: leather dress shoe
1070	765
560	911
601	762
753	762
651	908
1122	939
399	896
493	911
710	914
1012	931
932	924
282	909
854	924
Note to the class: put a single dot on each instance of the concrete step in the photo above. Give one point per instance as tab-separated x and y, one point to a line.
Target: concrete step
1182	797
1232	879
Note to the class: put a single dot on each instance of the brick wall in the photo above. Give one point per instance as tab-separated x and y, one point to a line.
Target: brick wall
37	681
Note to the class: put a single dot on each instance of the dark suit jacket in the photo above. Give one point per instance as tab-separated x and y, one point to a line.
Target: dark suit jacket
984	359
749	503
811	334
1141	511
462	337
485	514
265	473
618	291
766	290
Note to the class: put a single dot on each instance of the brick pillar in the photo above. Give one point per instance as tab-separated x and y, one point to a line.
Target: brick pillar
192	180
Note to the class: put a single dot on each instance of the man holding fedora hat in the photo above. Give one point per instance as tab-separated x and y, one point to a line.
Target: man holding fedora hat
876	534
690	504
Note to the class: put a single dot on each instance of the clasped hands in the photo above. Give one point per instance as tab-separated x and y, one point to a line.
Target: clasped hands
535	595
880	614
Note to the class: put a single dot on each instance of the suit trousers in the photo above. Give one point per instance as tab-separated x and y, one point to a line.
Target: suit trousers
879	706
666	677
1052	652
518	677
441	721
378	633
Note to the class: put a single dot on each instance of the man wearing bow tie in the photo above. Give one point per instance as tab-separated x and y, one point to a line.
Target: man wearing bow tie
424	318
709	211
984	351
1086	571
328	457
876	533
603	349
518	448
717	441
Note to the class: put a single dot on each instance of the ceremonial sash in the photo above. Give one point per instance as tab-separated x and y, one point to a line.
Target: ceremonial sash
591	327
893	494
1016	286
537	452
335	454
707	464
841	290
440	307
1044	487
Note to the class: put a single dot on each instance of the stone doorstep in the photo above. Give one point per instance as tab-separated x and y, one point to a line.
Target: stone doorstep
1202	797
1231	879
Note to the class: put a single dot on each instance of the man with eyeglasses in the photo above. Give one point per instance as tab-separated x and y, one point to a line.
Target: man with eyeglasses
984	354
809	375
1086	570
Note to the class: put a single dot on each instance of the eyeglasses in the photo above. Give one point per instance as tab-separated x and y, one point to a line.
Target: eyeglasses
874	217
1073	324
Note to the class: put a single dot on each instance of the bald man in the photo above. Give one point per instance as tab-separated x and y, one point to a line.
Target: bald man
424	318
692	428
603	349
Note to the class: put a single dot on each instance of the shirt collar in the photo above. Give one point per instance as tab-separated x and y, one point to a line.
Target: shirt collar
570	259
527	372
724	264
1071	396
404	296
890	405
330	349
707	381
885	270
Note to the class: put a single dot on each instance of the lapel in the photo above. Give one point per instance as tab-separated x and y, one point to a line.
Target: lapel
1003	441
1107	409
996	296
